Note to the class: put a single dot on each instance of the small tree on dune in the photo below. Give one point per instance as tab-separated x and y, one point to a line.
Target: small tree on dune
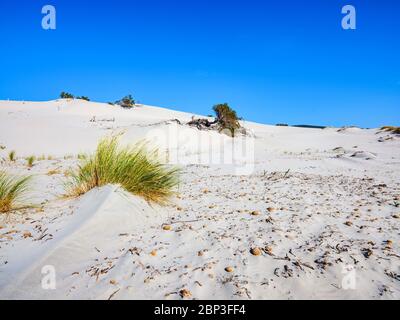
66	95
226	118
126	102
83	98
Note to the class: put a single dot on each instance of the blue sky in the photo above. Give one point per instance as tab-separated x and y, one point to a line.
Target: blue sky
273	61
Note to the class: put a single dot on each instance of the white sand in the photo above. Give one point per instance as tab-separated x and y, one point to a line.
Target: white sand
333	211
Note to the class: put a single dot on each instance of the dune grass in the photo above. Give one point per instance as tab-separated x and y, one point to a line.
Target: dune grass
136	168
81	156
392	129
53	172
12	191
30	160
11	156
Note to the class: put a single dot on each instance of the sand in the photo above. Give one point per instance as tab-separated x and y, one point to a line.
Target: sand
319	207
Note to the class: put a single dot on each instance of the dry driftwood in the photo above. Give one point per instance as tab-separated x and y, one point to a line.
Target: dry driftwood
203	124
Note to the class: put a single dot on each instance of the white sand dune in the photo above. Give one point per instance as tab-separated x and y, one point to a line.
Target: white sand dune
108	212
326	203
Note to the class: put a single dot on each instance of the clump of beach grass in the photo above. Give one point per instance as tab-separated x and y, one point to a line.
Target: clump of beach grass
391	129
12	191
30	160
11	156
82	156
53	172
136	168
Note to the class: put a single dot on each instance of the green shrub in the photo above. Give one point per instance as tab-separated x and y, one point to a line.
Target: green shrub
126	102
66	95
227	118
83	98
12	191
135	168
392	129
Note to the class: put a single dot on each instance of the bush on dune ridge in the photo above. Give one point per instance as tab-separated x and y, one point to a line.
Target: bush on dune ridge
12	191
126	102
227	118
83	98
135	168
66	95
226	121
392	129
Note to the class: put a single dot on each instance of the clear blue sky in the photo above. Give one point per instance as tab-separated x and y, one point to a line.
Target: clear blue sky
273	61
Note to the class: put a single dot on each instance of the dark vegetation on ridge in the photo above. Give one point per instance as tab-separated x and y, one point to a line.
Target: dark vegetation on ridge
392	129
226	121
126	102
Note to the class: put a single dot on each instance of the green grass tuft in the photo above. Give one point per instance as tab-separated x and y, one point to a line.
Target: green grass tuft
82	156
30	160
136	168
11	155
391	129
12	191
